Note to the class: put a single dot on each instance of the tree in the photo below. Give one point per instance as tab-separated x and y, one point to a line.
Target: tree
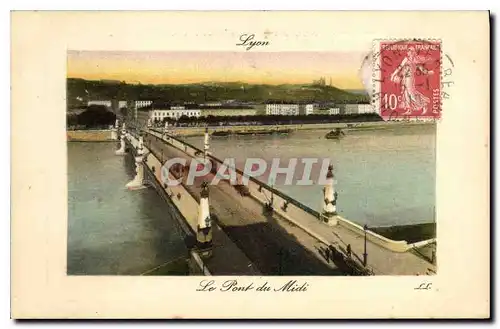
96	116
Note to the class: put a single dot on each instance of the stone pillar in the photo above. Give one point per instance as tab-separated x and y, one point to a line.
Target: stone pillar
114	131
121	150
206	144
204	228
329	213
165	129
138	181
140	148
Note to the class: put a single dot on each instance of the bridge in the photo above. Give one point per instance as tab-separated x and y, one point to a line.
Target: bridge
263	231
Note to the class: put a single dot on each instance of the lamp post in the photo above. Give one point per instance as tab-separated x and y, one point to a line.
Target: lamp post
365	255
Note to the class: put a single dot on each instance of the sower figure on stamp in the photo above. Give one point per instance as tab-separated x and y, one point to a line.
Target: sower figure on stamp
404	74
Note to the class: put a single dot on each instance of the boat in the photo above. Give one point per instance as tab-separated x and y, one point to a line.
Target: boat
265	132
254	132
221	133
335	134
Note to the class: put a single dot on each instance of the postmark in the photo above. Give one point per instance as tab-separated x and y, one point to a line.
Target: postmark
406	79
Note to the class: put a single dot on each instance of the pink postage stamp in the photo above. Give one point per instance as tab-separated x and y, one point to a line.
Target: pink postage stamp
407	79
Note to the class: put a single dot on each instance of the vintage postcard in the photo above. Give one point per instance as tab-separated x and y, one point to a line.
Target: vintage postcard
173	160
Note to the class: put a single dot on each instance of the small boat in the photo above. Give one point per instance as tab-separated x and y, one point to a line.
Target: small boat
265	132
335	134
254	132
221	133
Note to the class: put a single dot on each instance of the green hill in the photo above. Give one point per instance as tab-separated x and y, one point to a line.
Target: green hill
80	90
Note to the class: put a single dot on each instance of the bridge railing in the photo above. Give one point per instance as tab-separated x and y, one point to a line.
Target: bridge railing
289	206
276	193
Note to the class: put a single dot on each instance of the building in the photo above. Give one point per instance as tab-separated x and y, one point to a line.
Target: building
160	112
334	111
320	82
142	104
108	104
114	104
358	109
228	111
310	109
282	109
212	104
365	108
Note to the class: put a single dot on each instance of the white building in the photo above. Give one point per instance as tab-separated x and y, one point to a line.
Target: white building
334	111
282	109
365	108
358	109
96	102
212	104
309	109
122	104
141	104
174	112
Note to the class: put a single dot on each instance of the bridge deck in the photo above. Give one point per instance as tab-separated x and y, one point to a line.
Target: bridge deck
269	239
272	244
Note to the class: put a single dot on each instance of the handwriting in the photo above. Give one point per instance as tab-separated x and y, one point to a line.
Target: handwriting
246	40
424	286
235	286
206	285
232	285
292	285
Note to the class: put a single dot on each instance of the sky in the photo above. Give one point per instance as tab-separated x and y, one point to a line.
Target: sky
192	67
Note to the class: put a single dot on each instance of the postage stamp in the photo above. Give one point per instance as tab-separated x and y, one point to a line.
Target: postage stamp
406	79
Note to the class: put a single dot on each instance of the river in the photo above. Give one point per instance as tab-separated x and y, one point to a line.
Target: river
384	177
112	230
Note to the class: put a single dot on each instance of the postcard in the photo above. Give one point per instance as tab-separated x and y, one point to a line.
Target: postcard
315	165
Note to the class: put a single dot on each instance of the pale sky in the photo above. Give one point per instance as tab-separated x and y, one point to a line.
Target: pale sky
191	67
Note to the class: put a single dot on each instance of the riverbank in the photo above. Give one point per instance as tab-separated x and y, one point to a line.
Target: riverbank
411	233
90	135
259	129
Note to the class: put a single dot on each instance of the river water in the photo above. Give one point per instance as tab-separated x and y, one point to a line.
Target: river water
384	177
112	230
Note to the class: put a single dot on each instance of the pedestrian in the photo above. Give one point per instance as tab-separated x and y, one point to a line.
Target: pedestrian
349	250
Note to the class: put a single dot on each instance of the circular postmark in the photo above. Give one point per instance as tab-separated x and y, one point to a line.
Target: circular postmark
407	79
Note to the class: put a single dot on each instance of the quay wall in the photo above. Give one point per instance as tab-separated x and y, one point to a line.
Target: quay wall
184	208
178	195
89	135
286	206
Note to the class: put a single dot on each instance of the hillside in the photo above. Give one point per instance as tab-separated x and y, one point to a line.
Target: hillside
80	90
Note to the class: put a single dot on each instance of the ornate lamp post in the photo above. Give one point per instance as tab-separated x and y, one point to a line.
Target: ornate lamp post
365	255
